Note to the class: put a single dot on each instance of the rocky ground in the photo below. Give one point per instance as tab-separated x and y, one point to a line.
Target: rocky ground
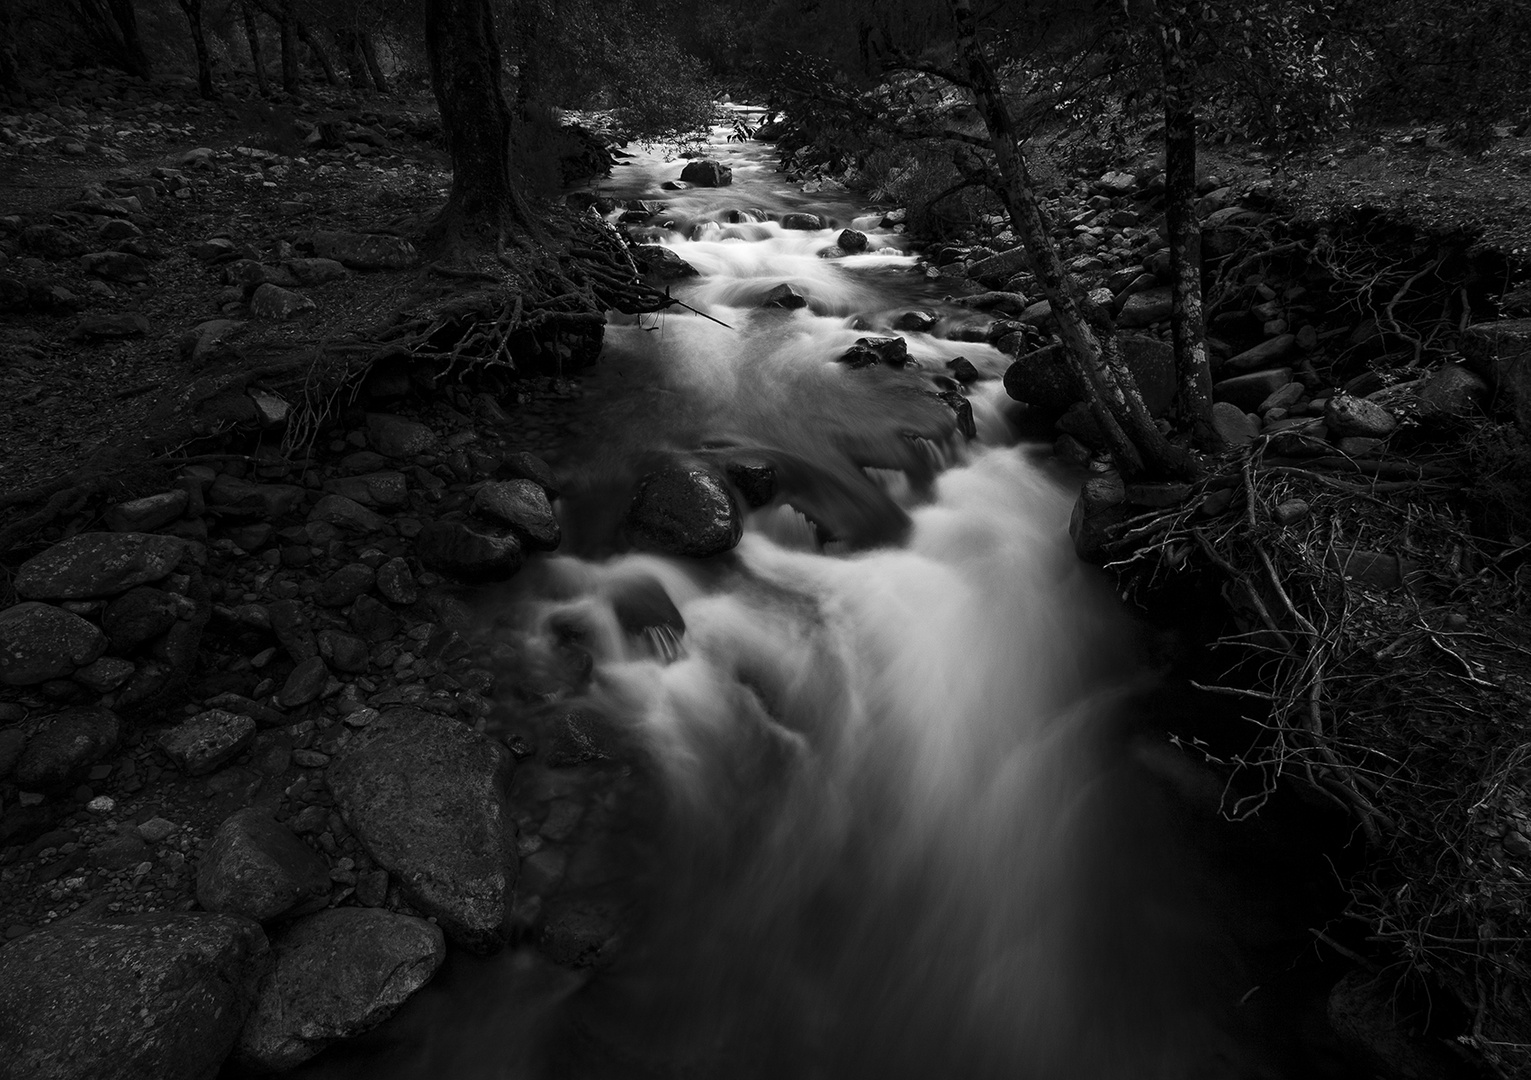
226	671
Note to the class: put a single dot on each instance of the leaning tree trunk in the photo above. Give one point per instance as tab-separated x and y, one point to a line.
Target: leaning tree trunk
464	57
252	37
356	67
193	10
320	54
369	54
1089	338
1193	371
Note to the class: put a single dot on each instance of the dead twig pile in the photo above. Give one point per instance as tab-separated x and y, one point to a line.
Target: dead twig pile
1391	656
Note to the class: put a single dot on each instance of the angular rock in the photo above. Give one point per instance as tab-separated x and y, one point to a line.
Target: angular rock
67	744
706	173
140	615
158	996
1043	380
110	328
306	682
802	222
116	266
39	642
336	974
1249	391
527	466
347	513
851	242
426	796
209	341
105	674
1454	391
235	497
1263	355
915	321
755	479
785	296
468	553
345	585
662	262
395	582
1143	308
98	564
396	437
202	743
1283	397
344	651
963	371
1347	414
378	489
257	868
315	271
869	351
1233	425
148	513
995	270
1500	353
366	251
276	304
524	506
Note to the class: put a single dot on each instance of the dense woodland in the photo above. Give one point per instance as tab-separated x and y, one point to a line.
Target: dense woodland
1327	199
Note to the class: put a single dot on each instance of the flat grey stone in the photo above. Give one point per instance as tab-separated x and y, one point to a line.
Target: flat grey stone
206	741
39	642
98	564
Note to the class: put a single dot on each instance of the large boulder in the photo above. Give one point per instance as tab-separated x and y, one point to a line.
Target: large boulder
1500	352
39	642
683	511
336	974
1043	380
995	270
260	869
98	564
662	262
707	174
158	996
426	796
66	745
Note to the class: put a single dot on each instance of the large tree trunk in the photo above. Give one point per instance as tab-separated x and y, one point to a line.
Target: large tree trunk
10	77
252	36
112	28
369	54
464	57
530	84
1193	401
1089	338
193	10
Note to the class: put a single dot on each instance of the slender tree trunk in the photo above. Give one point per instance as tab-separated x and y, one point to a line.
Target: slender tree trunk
464	60
252	37
287	19
1089	338
350	54
1193	371
193	11
111	26
321	55
369	54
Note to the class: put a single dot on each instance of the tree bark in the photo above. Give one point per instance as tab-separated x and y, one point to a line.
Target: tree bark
530	84
1193	370
320	54
10	77
252	37
193	11
464	61
356	67
369	54
287	19
137	58
112	28
1089	338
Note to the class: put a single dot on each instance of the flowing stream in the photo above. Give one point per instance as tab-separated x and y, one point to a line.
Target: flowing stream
902	809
